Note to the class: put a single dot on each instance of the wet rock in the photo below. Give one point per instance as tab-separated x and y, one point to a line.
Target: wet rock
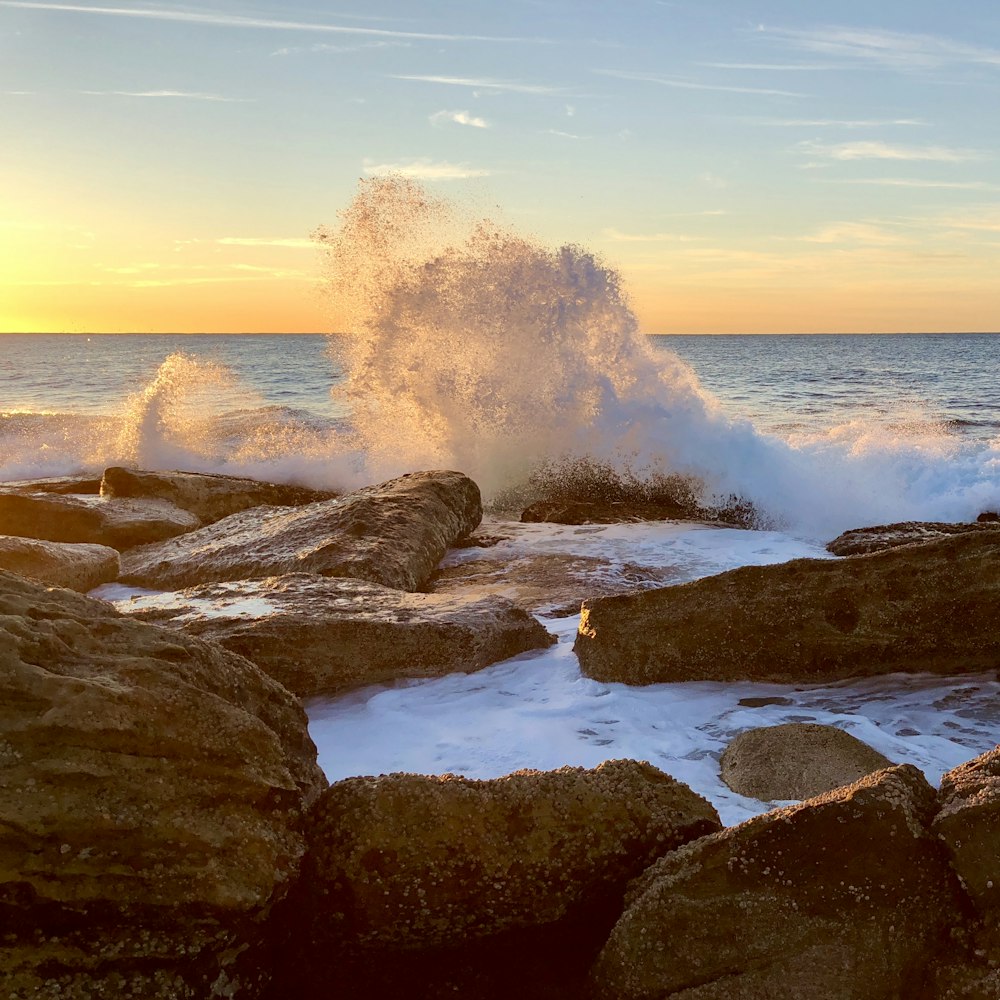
324	635
55	484
120	524
608	512
988	516
393	534
860	541
797	760
152	787
918	608
847	895
209	497
62	564
763	702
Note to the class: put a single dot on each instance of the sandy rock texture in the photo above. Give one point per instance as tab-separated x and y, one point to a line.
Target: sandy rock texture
609	512
93	520
77	566
152	788
209	497
54	484
796	760
844	896
393	534
325	635
928	607
860	541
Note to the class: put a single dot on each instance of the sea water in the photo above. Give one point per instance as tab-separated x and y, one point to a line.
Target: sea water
472	347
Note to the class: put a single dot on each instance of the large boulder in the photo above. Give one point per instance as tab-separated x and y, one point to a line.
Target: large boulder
846	897
394	534
54	484
93	520
928	607
796	760
63	564
860	541
324	635
152	787
209	497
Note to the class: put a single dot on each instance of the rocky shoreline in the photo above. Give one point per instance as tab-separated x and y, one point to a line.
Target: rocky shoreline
166	832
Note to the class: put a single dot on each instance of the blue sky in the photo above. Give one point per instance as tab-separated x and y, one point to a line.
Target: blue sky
747	166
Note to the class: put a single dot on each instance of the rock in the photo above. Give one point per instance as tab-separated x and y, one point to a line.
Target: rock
846	895
917	608
209	497
92	520
409	861
969	823
152	788
764	702
62	564
988	516
610	512
55	484
797	760
323	635
860	541
394	534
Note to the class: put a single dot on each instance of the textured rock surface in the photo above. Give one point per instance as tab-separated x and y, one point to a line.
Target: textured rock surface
63	564
796	760
209	497
930	607
394	534
323	635
969	823
411	861
844	896
588	512
877	538
54	484
151	789
119	524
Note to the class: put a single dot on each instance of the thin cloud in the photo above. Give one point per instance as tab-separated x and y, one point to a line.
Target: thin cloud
458	118
481	83
667	81
768	67
856	232
266	241
426	170
561	134
183	94
834	122
913	182
619	237
241	21
340	49
874	150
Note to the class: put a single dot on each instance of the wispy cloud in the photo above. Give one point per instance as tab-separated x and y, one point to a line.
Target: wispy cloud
184	94
560	133
267	241
768	67
669	81
426	170
834	122
242	21
289	50
619	237
914	182
482	83
458	118
864	233
898	49
874	150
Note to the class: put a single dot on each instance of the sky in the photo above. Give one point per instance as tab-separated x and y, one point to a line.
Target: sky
748	167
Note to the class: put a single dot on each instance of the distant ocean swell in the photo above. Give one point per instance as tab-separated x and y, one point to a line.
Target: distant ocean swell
474	348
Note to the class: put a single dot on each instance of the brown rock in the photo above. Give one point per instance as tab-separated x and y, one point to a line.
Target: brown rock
62	564
797	760
860	541
55	484
394	534
323	635
844	896
208	497
93	520
929	608
151	788
609	512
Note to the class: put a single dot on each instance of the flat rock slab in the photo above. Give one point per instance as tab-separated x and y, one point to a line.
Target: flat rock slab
916	608
847	896
77	566
209	497
93	520
54	484
860	541
152	787
797	760
324	635
393	534
592	512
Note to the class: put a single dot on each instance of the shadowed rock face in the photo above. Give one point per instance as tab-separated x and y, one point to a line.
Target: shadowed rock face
393	534
796	760
209	497
860	541
323	635
63	564
929	607
151	788
846	897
